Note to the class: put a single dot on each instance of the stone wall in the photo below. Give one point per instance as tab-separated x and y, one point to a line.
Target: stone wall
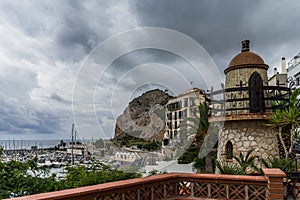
233	77
245	135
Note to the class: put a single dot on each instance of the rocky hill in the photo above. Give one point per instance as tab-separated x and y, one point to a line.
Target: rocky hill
144	117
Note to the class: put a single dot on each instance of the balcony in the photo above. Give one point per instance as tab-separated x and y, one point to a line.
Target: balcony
246	103
175	186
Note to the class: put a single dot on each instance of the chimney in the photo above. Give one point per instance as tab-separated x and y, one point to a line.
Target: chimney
283	66
275	71
245	45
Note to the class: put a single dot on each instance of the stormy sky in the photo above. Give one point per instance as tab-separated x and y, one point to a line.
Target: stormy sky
51	54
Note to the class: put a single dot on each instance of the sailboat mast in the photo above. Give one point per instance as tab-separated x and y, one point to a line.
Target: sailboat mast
92	146
72	145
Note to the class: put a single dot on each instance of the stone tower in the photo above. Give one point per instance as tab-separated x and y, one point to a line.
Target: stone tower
247	107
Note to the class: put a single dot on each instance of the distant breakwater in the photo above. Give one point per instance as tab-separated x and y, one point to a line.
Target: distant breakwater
39	144
27	151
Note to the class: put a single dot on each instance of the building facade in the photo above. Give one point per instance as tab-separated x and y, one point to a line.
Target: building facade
178	110
182	114
293	70
247	107
279	79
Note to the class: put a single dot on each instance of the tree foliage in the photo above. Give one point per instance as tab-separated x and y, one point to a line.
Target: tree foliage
244	164
79	176
245	161
274	162
198	126
288	116
99	143
19	179
229	168
149	146
16	180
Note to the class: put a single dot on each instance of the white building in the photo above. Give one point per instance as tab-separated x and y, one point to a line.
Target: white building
279	79
126	156
179	112
294	70
170	167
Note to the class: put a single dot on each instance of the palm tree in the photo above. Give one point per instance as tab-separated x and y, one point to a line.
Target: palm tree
295	98
274	162
197	126
291	117
242	165
277	121
245	161
288	116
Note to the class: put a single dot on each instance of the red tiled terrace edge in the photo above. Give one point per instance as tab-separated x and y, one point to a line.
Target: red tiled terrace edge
178	186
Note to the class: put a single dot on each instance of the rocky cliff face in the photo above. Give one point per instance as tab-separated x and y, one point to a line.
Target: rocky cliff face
144	117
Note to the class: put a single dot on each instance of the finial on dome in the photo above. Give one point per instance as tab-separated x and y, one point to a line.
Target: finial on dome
245	45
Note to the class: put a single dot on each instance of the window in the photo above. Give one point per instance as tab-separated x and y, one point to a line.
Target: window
169	116
256	94
184	113
229	150
192	102
174	106
169	124
193	112
186	102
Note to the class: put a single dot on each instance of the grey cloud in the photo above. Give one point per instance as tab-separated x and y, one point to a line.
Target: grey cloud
65	32
220	25
60	99
19	119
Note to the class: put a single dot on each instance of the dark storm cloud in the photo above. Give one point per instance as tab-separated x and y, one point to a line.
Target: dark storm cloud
138	57
43	43
76	32
41	48
19	119
221	25
60	99
205	21
130	61
84	24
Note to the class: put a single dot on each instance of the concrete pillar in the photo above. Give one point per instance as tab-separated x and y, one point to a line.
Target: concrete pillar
283	66
274	177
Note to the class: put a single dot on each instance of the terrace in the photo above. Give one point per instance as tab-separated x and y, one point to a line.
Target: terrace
179	186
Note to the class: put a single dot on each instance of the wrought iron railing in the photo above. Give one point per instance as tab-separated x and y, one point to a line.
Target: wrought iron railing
292	181
237	100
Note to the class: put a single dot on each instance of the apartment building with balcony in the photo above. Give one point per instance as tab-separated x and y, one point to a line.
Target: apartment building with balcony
179	114
293	70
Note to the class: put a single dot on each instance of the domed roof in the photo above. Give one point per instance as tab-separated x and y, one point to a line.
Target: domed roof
246	59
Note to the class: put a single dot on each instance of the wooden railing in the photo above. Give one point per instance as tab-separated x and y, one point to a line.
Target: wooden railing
178	186
236	100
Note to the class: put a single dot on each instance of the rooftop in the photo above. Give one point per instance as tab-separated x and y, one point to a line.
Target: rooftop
246	58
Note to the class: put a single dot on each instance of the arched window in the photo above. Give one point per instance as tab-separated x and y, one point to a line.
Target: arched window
256	93
229	150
